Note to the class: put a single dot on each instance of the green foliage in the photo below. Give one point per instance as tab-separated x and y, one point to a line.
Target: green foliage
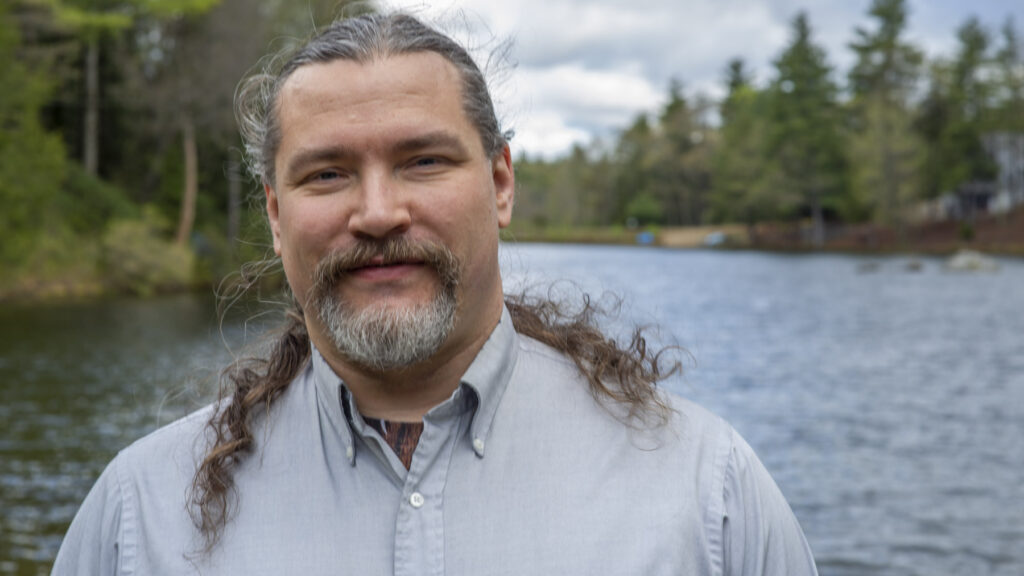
793	148
804	135
175	8
680	161
645	210
137	258
954	113
87	19
886	63
1007	114
87	203
885	152
746	186
886	157
664	163
91	17
966	231
32	161
574	191
633	175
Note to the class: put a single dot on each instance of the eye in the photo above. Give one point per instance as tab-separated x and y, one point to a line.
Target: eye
329	176
326	175
426	162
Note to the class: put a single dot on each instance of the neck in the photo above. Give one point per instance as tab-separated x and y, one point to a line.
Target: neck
407	394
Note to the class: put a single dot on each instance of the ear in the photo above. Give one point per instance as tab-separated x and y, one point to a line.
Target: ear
504	185
272	217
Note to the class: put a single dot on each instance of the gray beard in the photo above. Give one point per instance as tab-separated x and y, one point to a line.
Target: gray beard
383	338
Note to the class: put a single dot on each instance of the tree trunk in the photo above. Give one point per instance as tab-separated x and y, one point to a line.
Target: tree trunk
234	203
818	222
91	128
752	236
188	197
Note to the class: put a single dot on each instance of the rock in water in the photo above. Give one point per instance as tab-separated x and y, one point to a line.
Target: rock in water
971	261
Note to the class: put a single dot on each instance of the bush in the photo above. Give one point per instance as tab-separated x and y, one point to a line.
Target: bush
645	209
87	203
137	259
31	160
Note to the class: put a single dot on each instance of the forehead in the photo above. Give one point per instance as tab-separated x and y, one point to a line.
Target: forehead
418	87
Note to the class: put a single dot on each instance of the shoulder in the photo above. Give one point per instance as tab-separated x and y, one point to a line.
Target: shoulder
533	351
540	363
549	387
535	359
139	499
695	457
177	444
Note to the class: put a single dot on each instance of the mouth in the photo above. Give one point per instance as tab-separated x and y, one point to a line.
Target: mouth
382	269
383	264
379	262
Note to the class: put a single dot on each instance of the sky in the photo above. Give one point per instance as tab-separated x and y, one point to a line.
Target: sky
584	69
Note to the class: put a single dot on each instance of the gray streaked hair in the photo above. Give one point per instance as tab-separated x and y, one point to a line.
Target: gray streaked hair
362	39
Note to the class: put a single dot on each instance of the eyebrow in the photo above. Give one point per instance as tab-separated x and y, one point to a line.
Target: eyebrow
436	139
309	156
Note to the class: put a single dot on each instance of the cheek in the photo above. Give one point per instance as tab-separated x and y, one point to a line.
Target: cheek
309	226
297	272
305	237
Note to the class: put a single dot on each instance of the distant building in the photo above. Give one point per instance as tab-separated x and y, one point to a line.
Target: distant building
982	197
1007	149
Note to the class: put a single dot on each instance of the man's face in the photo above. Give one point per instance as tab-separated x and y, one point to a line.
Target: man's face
378	164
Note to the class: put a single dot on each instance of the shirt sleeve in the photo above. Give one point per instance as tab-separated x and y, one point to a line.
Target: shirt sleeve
92	544
760	534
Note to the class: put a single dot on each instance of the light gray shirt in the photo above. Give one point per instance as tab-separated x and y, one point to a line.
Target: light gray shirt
520	472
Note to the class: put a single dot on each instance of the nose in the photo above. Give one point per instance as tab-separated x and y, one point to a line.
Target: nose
382	210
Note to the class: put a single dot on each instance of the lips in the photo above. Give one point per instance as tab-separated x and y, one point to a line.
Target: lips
389	260
380	262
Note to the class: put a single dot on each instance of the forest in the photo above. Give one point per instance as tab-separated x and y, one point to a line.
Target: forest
121	168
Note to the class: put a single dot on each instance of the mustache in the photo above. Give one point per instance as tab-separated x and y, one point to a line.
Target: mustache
335	266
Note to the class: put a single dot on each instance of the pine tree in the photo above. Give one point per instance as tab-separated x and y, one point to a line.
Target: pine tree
885	151
953	113
804	139
745	188
679	160
1008	113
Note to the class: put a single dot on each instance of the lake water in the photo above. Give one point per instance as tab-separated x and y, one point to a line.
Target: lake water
888	404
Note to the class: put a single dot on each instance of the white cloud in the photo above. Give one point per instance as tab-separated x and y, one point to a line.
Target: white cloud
589	66
546	134
553	108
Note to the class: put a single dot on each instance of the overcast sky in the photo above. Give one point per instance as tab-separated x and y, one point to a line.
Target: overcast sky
586	68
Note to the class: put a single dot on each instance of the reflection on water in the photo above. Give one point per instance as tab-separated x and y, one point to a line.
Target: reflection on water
77	383
888	405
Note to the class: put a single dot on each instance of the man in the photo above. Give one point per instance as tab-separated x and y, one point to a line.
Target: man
410	419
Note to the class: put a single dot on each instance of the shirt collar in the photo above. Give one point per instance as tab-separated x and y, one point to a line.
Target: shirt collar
487	377
333	400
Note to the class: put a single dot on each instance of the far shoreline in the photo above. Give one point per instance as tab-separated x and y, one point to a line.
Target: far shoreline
781	239
853	240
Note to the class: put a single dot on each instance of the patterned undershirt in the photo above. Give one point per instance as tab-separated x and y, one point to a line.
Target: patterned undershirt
401	436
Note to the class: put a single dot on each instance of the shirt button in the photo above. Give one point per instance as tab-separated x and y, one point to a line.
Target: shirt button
478	445
416	499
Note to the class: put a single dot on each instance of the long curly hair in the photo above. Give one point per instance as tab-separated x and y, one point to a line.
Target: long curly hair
626	374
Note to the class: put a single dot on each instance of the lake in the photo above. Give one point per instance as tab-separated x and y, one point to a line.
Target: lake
888	403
